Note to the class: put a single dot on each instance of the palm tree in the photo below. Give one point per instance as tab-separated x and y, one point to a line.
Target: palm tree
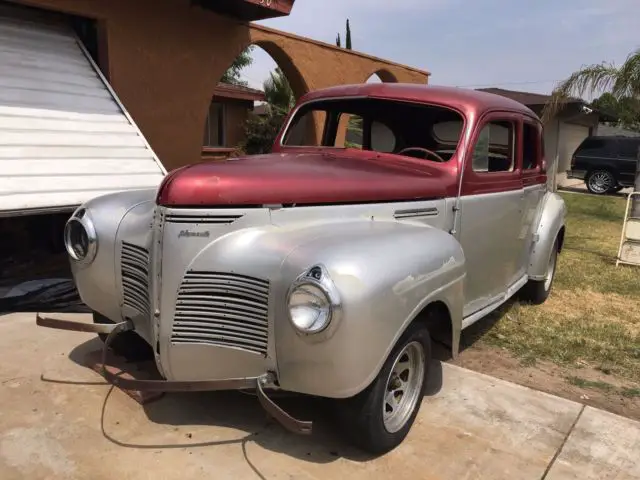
278	91
621	82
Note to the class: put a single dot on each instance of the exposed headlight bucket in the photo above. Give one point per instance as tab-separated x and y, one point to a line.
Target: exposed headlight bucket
80	238
313	301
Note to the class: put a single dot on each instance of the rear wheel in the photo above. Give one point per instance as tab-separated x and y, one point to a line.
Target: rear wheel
127	344
379	418
537	291
600	182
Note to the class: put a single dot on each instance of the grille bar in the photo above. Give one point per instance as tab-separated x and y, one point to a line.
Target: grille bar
222	309
134	266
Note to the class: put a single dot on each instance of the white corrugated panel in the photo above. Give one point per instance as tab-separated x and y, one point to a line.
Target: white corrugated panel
64	136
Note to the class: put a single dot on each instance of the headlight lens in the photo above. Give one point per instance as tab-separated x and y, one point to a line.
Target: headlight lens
310	308
77	240
80	238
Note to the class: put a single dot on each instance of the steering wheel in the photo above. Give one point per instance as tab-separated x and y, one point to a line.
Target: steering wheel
424	150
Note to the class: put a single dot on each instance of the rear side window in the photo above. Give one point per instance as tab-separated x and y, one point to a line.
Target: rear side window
530	146
597	146
629	148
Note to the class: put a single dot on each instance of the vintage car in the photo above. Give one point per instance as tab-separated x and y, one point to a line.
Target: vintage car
385	212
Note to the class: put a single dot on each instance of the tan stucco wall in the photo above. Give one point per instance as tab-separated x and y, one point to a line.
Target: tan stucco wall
165	58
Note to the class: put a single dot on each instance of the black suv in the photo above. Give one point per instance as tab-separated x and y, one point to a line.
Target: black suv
606	164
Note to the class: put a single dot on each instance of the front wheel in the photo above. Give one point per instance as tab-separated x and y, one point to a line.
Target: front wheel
600	182
537	291
379	418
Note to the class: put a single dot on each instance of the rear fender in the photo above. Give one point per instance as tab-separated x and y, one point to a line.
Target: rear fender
550	223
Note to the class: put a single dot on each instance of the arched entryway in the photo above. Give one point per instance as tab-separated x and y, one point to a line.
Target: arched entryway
250	102
382	76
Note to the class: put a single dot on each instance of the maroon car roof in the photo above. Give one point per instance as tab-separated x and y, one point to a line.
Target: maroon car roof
461	98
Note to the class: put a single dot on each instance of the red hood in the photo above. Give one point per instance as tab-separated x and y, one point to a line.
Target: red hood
302	178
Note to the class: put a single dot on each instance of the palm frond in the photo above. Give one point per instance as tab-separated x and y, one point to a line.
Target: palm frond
628	81
593	78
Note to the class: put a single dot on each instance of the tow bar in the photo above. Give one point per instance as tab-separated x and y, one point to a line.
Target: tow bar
113	330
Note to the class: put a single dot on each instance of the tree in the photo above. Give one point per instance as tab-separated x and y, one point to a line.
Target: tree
347	38
625	110
621	82
242	61
261	131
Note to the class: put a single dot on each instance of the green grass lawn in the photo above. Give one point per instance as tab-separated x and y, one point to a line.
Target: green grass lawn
593	314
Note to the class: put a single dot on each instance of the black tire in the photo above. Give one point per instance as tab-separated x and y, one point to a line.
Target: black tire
127	344
362	415
537	291
600	181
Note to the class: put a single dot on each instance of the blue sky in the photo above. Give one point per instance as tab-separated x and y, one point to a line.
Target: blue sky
524	45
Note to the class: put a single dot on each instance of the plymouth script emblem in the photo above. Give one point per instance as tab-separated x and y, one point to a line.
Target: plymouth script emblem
190	234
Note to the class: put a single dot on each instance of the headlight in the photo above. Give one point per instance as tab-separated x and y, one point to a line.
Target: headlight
313	301
80	238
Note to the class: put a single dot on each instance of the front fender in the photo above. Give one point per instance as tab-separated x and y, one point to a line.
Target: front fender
96	282
386	273
550	221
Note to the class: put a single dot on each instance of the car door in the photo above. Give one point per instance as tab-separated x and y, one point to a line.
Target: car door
534	182
627	159
492	204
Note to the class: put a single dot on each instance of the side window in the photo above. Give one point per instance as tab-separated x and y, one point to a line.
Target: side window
629	148
494	150
530	146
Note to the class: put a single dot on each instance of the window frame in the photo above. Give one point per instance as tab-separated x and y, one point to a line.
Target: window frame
474	182
539	141
222	131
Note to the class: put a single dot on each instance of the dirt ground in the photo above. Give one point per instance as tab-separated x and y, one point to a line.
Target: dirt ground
551	378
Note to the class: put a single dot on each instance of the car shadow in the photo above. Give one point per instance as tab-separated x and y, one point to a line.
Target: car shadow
239	411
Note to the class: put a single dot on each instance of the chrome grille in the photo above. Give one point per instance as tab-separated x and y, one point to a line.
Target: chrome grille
202	219
134	266
223	309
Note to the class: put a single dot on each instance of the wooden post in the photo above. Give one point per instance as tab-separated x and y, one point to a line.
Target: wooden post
635	201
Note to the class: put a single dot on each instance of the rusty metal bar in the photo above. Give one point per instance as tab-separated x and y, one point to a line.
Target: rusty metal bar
287	421
76	326
113	330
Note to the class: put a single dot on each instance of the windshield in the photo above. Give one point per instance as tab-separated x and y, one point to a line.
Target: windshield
389	126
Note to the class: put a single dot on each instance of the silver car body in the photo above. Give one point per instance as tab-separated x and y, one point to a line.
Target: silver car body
161	267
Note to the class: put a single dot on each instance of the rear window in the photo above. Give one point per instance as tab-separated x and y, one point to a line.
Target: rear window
597	146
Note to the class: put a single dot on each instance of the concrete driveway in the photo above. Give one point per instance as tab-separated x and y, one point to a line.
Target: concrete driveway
59	420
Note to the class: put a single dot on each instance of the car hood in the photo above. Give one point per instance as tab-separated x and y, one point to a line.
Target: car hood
300	179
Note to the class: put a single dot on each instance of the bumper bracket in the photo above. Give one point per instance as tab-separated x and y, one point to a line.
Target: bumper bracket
113	330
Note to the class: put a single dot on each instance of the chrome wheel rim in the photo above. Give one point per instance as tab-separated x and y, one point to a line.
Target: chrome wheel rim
551	268
404	386
601	182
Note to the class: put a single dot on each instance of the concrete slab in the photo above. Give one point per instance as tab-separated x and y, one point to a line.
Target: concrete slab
602	446
59	420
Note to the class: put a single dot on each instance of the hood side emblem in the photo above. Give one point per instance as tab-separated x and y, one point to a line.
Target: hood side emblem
192	234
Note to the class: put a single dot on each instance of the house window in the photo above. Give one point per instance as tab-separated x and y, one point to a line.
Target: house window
494	148
214	134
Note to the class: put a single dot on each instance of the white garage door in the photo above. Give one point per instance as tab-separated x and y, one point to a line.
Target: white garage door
64	136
